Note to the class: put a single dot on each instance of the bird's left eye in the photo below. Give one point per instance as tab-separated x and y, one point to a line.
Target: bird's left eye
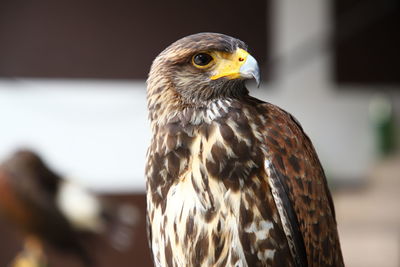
202	59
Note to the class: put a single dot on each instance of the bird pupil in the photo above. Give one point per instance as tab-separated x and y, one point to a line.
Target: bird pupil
202	59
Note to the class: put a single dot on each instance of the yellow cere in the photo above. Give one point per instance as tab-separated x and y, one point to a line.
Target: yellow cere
228	65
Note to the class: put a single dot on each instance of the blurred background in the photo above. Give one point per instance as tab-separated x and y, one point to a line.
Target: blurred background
72	88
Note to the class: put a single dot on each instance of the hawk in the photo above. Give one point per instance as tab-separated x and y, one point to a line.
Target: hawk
49	209
231	180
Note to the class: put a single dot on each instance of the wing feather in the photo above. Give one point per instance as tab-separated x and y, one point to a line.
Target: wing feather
300	191
288	217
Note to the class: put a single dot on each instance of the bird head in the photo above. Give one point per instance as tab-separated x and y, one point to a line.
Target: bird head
27	167
202	67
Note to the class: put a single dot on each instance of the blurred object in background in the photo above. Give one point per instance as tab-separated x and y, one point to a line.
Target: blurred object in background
55	212
29	190
91	213
383	122
369	218
32	255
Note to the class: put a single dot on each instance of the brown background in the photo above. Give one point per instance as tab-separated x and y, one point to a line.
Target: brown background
367	42
114	39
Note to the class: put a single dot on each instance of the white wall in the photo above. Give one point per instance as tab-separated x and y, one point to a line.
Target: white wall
336	120
94	131
97	131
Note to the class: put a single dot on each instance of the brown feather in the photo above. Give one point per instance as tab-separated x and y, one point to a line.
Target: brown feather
306	186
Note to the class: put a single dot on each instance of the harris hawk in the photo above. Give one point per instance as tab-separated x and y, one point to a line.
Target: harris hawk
28	201
231	180
50	210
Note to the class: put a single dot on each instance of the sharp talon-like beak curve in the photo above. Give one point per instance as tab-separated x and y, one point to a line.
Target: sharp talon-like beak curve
250	70
239	65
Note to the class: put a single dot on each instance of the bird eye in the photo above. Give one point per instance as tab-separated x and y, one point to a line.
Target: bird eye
202	59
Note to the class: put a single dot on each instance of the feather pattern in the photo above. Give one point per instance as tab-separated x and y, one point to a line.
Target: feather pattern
231	180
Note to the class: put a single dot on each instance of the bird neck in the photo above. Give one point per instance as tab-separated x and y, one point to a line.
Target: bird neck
192	116
165	104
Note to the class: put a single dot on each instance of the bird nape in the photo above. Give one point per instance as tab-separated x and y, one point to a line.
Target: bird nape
231	180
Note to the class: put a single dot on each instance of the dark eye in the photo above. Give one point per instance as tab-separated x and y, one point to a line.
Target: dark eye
202	59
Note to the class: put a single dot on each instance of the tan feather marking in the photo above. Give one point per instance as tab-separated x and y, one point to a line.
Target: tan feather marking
190	193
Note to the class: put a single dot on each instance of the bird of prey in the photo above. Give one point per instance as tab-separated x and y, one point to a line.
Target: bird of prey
49	209
231	180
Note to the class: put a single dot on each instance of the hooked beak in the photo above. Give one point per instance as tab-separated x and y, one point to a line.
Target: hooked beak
239	65
250	69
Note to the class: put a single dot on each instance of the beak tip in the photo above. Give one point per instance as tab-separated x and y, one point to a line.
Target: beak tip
257	78
251	70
